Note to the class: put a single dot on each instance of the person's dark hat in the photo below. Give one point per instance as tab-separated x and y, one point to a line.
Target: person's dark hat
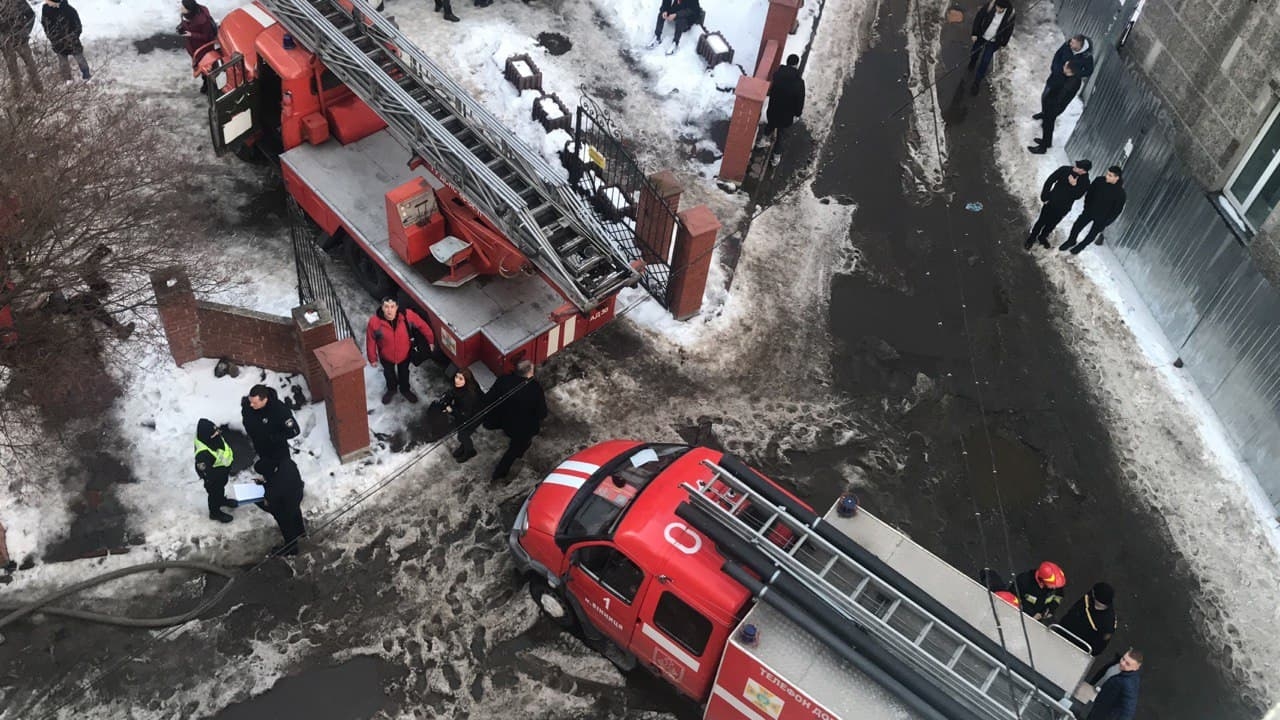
1116	169
1084	165
1104	593
1006	4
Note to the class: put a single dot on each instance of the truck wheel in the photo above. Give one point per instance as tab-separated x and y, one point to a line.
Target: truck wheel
551	603
368	274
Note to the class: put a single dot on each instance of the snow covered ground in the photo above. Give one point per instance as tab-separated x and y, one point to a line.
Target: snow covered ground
1217	514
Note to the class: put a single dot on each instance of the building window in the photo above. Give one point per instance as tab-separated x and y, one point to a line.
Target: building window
1254	188
687	626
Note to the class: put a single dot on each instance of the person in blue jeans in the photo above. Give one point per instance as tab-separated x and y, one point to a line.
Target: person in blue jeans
992	28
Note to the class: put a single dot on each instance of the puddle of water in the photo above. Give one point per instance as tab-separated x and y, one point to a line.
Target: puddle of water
350	691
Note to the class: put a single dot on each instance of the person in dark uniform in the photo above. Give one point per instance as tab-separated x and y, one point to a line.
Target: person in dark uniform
1061	190
269	424
1058	94
1039	590
516	405
213	465
460	402
786	103
1093	618
283	499
1102	205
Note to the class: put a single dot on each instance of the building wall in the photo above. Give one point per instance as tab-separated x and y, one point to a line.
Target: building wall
1214	65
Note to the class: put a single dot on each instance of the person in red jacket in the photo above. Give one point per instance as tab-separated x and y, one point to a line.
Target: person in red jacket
387	340
198	29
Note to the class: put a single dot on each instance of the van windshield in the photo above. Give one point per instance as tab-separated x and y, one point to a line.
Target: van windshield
600	504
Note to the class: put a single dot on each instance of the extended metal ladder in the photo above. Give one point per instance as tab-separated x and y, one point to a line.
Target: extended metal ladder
435	118
964	670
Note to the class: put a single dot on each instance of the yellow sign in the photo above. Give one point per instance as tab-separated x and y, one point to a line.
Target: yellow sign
595	156
763	699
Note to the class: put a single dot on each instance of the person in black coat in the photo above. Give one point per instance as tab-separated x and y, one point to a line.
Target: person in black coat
1093	618
1058	94
681	13
17	20
1102	205
269	424
1079	51
461	402
516	405
1061	190
786	103
61	25
992	28
283	499
213	465
1117	683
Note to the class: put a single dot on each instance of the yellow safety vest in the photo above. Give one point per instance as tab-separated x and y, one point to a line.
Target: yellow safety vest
221	458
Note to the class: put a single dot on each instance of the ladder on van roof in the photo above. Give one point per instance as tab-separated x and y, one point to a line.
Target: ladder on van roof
434	117
968	673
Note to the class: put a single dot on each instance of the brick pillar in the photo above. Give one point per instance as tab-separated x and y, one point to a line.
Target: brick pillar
750	94
176	302
342	366
654	224
768	59
692	260
778	24
313	327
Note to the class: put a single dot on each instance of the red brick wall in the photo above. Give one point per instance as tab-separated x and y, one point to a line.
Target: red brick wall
247	337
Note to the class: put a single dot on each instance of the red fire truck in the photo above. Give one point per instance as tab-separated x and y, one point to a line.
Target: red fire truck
688	562
425	189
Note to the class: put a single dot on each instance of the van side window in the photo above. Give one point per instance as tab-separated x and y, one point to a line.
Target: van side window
685	625
611	569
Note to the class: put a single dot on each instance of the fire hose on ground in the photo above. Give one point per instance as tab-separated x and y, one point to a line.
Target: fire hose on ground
42	606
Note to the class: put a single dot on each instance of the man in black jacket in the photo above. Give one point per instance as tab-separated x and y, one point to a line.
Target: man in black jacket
283	499
62	27
786	102
684	14
1061	190
17	20
1117	684
269	424
1102	205
213	465
992	28
1057	95
516	405
1093	617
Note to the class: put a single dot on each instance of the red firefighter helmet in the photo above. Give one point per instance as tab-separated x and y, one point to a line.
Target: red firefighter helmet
1050	575
1008	597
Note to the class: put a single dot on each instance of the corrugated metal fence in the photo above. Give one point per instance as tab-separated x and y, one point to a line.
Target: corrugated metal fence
1192	271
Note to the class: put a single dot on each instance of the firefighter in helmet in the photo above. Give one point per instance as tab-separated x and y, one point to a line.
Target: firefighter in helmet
1039	590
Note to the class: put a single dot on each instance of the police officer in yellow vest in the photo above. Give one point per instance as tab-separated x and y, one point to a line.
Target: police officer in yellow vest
213	465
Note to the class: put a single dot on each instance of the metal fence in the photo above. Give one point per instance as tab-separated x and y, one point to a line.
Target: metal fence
1184	259
314	285
604	170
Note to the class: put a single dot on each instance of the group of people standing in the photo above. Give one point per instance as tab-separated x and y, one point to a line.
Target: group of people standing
62	28
1091	620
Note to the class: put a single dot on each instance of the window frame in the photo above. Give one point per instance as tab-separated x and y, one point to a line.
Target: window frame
598	576
1242	205
657	623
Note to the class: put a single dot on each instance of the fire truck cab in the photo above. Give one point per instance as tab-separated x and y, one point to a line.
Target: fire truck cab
429	197
688	562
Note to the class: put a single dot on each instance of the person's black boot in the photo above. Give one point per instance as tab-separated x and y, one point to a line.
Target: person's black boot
388	396
448	15
409	395
229	503
220	516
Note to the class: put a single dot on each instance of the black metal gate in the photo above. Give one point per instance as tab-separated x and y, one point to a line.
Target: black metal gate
604	171
314	285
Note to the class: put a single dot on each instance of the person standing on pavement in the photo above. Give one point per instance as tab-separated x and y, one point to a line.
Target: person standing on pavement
516	405
460	402
1093	618
62	27
17	20
1102	205
269	424
786	102
213	465
1039	590
992	28
387	341
681	13
283	499
1053	102
1117	684
1061	190
1079	51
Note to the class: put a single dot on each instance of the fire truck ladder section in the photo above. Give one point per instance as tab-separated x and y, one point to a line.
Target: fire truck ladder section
980	682
440	122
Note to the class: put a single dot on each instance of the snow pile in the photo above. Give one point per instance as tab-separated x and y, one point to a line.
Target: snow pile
1216	513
